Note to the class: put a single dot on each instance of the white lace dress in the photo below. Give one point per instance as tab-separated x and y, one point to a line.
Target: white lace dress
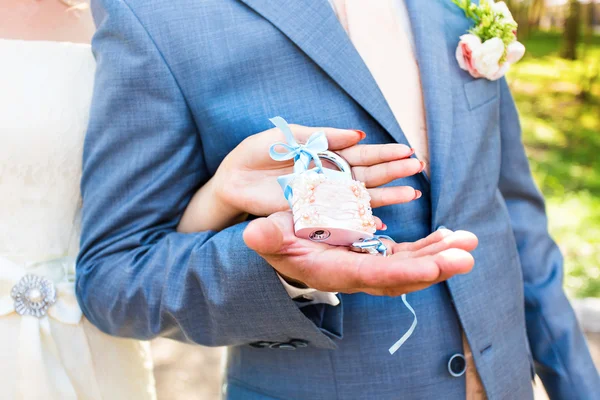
47	349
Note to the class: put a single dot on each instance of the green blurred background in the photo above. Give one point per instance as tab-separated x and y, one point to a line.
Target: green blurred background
557	90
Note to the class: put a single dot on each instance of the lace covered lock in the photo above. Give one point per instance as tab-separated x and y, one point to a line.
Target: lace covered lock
330	206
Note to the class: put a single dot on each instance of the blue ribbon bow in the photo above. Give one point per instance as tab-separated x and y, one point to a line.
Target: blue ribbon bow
302	154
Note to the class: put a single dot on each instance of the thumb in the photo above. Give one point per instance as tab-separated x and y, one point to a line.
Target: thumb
263	236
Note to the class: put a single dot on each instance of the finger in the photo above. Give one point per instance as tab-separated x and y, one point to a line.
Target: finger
453	262
379	225
376	272
337	138
387	243
395	291
411	274
439	267
419	244
367	155
381	174
457	240
338	269
393	195
264	236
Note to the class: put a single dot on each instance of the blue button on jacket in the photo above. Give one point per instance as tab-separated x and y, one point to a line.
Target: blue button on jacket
181	82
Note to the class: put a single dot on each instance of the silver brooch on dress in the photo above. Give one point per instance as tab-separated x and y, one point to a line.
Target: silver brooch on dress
33	295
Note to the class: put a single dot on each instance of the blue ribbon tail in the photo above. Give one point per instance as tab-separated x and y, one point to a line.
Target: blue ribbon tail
410	330
285	181
285	128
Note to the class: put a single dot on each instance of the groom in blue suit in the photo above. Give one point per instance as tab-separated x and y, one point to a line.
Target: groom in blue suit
180	83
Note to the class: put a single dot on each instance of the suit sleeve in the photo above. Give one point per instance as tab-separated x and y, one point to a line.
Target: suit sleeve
136	276
559	348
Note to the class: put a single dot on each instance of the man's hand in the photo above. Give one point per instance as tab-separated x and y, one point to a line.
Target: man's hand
408	268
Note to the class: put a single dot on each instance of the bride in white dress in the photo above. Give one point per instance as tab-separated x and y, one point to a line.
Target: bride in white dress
48	350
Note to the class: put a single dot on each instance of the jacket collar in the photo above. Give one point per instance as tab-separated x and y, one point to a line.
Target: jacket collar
315	29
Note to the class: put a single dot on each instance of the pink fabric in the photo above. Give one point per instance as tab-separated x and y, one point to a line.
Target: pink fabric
375	30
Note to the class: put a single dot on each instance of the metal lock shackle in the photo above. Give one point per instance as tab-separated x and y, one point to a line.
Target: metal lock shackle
337	160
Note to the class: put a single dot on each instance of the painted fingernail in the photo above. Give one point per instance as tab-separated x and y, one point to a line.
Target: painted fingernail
412	151
384	227
422	166
361	134
418	194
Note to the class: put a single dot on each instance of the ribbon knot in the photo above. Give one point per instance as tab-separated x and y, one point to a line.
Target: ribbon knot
302	154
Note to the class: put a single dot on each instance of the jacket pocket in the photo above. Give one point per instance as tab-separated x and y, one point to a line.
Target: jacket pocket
480	92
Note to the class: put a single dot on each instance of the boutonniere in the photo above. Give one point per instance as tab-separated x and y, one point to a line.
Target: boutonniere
491	45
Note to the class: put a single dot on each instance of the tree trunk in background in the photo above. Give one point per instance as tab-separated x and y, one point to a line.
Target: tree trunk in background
511	4
590	65
521	15
588	17
535	14
571	33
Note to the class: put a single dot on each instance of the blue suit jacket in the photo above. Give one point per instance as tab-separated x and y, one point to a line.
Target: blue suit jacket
181	82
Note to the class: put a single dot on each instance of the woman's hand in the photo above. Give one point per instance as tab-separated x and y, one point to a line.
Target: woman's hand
246	181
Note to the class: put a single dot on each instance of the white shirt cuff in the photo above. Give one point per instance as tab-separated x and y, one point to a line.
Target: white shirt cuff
313	296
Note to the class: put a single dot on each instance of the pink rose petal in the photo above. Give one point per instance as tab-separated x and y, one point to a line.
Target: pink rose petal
464	54
514	52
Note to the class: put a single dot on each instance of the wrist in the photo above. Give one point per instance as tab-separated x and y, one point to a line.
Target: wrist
208	211
221	204
221	200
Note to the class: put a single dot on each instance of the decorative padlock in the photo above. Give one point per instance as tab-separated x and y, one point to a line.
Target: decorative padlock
328	206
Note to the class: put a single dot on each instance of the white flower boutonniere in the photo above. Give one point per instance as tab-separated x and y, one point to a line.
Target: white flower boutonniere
491	46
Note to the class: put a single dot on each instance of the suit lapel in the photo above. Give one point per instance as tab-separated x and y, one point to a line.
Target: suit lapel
314	28
427	22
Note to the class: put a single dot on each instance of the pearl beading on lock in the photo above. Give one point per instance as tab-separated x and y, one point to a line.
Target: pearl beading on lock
329	206
321	202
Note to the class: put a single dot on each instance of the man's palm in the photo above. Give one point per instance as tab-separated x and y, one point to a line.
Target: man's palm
410	266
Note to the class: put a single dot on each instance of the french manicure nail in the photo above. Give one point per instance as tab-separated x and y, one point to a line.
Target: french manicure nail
418	194
361	133
384	227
